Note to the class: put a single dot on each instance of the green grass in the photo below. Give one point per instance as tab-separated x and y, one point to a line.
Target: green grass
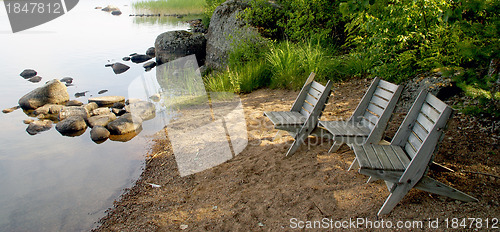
171	6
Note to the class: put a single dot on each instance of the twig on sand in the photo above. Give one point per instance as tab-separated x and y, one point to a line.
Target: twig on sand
321	211
481	173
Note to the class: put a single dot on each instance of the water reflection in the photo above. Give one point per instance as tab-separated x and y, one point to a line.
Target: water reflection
51	182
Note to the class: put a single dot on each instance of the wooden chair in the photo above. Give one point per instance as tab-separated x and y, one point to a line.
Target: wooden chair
368	122
303	118
403	163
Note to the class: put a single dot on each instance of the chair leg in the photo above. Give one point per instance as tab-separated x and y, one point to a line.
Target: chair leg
433	186
394	198
276	136
293	148
354	164
336	145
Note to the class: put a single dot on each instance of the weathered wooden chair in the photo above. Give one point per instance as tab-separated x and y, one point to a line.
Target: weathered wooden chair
403	163
303	118
368	122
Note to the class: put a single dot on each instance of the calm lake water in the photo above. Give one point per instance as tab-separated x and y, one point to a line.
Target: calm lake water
50	182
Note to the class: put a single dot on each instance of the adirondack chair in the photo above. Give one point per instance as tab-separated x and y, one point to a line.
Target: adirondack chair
303	118
403	163
368	122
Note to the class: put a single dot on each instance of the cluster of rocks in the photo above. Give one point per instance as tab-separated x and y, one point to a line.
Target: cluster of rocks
179	16
30	75
119	68
196	26
110	8
108	116
211	46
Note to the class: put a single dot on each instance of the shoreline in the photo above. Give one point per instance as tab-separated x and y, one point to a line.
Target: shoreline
260	190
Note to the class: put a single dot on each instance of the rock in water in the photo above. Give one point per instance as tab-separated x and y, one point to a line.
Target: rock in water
106	100
99	134
101	120
149	65
110	8
35	79
36	127
71	125
10	110
140	58
28	73
53	92
125	124
143	109
119	68
67	80
74	103
151	52
175	44
102	91
126	58
73	111
116	12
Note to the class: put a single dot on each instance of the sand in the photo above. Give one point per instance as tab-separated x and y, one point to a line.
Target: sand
260	190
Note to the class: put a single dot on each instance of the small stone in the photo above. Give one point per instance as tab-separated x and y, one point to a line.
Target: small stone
150	65
28	121
118	112
126	58
10	110
90	106
36	127
118	105
119	68
151	52
155	97
81	94
73	111
107	100
67	80
101	120
125	124
101	111
140	58
102	91
28	73
74	103
35	79
116	12
99	133
183	227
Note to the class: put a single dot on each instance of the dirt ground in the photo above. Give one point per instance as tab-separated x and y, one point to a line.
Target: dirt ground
260	190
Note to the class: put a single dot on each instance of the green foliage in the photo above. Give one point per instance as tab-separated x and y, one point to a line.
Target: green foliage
265	16
171	6
406	37
291	63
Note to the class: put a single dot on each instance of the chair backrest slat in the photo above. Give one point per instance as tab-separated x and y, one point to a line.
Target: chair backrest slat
380	96
420	123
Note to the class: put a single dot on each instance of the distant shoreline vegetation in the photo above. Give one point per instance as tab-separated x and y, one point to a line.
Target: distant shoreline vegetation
171	6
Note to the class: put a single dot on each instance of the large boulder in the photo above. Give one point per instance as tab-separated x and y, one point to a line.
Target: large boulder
125	124
175	44
227	28
53	92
